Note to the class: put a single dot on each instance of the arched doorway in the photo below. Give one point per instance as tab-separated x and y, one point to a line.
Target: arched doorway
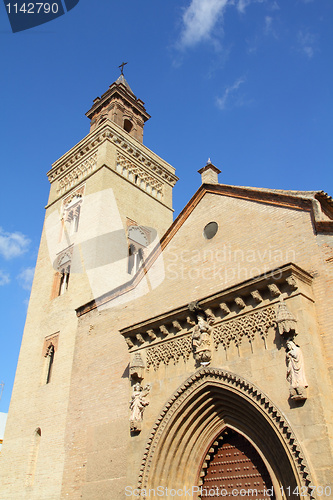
209	402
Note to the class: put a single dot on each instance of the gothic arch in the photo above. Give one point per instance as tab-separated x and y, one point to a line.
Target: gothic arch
208	402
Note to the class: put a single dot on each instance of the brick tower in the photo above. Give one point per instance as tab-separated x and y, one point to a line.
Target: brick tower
110	198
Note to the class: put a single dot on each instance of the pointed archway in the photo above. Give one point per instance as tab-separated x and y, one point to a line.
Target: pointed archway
209	402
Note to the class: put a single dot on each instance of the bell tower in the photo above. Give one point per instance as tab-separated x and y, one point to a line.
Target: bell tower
121	106
110	200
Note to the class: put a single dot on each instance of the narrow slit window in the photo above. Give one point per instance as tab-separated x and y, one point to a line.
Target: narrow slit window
49	363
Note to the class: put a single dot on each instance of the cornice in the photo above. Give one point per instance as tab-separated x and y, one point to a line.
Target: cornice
245	298
133	148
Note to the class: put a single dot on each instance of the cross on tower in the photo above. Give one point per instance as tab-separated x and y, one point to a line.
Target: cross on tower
122	67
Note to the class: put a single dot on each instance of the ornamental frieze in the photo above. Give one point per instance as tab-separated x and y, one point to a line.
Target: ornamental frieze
245	327
227	319
172	350
227	333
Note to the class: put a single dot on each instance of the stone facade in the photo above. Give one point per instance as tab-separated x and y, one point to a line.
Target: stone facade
217	329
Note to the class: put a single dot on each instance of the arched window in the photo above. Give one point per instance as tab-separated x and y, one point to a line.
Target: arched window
138	239
61	277
72	216
128	125
64	279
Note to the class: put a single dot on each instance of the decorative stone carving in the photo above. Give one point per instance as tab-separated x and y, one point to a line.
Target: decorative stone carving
129	343
256	296
201	335
164	330
137	367
140	338
224	308
51	340
292	283
244	388
151	334
274	290
286	322
174	349
77	174
78	193
240	302
177	325
295	371
247	326
138	404
229	331
201	340
139	176
190	321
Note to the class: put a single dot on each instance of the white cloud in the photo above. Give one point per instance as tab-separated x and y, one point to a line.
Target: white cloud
269	29
229	95
4	278
268	24
199	20
306	43
242	4
25	277
274	6
201	17
13	244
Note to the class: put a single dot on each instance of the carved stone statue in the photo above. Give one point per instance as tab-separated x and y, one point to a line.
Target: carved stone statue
137	367
295	371
201	341
138	404
286	322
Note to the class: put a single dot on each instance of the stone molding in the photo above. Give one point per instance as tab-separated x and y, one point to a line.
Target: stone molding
139	176
50	340
243	311
108	131
247	326
229	331
277	421
77	174
78	193
173	350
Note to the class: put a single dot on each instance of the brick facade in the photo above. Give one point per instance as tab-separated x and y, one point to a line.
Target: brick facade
271	248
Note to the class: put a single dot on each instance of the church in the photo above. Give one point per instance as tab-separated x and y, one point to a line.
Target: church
187	358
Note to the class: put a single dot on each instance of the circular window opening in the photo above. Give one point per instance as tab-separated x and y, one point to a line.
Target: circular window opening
210	230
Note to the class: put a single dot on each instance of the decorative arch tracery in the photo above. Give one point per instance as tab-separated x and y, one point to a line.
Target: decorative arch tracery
209	401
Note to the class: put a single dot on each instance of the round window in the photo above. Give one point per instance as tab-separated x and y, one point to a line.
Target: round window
210	230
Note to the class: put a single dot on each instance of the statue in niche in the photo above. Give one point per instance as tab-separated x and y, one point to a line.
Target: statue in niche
201	341
138	404
295	371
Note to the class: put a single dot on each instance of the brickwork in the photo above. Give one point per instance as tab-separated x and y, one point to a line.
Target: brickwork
104	315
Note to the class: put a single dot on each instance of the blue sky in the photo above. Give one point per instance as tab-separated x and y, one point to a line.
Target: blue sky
247	83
